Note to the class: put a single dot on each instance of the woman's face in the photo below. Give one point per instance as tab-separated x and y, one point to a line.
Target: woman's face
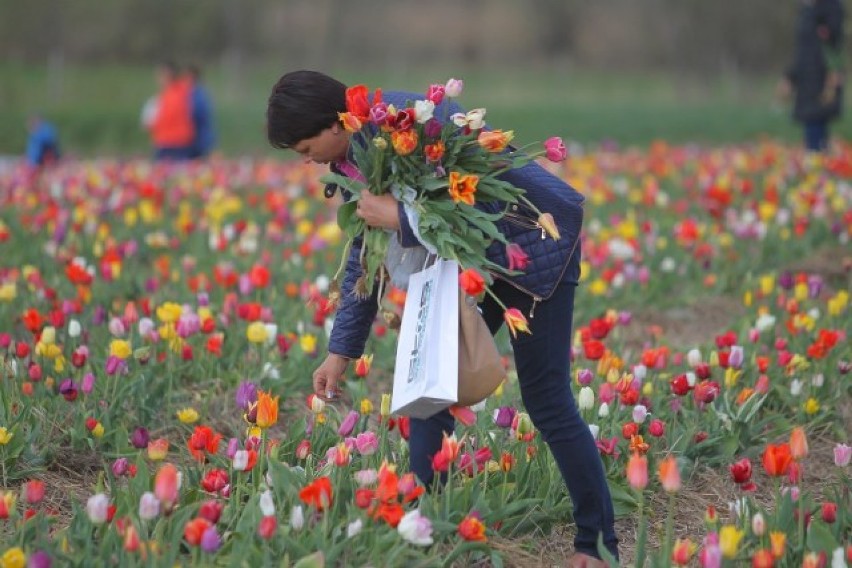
330	145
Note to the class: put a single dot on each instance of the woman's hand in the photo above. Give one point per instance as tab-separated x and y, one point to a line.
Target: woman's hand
378	210
327	376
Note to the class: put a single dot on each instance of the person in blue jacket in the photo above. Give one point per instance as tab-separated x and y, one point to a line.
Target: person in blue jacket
202	116
42	142
302	115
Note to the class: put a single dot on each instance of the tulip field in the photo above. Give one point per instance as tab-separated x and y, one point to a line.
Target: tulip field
159	325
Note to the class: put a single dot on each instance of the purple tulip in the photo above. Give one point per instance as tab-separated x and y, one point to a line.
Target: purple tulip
348	423
210	541
39	559
432	128
379	114
139	438
68	389
99	315
233	446
785	280
814	285
735	359
88	383
244	285
585	377
203	299
119	467
503	416
112	365
246	394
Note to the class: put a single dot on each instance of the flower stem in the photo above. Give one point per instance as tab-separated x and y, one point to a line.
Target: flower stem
640	542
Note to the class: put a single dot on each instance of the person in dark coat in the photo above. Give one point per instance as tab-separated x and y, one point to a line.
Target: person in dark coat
815	75
302	115
202	115
42	142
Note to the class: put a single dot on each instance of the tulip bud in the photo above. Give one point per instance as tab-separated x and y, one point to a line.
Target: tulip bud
758	524
603	410
297	518
586	398
640	412
97	507
693	357
453	88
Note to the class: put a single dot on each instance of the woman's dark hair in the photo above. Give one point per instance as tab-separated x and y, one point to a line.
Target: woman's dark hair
303	104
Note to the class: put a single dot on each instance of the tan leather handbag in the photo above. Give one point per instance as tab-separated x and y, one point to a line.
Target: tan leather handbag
480	367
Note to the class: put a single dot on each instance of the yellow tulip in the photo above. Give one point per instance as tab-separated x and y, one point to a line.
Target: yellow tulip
187	415
256	332
308	343
366	406
8	291
13	558
5	436
120	348
811	406
169	312
729	540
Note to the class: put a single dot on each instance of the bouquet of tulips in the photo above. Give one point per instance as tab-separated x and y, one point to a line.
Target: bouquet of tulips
441	167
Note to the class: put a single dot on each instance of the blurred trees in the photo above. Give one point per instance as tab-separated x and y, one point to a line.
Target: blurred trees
675	35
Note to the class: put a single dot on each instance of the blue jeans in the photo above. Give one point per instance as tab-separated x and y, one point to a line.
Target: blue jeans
816	135
544	370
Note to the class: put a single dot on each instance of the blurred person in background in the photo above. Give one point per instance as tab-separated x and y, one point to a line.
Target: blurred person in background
815	77
170	122
202	115
42	142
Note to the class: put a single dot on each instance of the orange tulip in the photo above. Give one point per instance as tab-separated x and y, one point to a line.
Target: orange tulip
267	410
157	449
515	321
637	471
471	528
762	559
776	459
404	141
495	140
669	474
798	443
462	187
778	543
351	123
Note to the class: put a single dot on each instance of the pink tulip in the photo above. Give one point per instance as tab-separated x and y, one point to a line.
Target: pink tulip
554	149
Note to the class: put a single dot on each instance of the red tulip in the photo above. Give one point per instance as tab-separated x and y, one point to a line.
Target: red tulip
593	349
319	493
34	491
829	512
194	530
267	526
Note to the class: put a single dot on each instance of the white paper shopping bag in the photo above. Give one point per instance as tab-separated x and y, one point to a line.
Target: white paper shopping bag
425	379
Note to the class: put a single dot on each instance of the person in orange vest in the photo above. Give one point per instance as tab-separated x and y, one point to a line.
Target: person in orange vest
171	127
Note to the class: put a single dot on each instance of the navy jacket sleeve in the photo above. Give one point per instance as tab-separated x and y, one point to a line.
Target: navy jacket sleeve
354	315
